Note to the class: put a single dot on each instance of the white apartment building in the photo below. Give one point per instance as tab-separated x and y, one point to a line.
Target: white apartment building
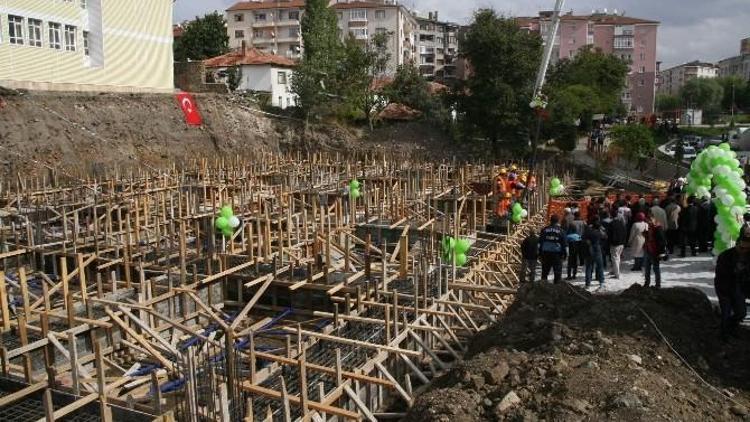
274	26
86	45
363	19
437	45
737	65
673	79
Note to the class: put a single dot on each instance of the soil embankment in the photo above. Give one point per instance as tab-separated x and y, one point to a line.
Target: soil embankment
561	354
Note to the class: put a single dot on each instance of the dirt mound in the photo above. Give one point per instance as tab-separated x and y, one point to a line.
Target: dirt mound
561	354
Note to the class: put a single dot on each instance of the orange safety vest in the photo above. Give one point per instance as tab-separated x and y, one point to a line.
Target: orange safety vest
502	207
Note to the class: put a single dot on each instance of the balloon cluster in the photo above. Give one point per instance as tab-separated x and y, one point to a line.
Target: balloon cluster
539	101
556	187
354	186
720	166
455	248
226	222
518	213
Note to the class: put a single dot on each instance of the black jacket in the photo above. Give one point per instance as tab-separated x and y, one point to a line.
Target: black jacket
731	271
689	218
617	232
552	240
530	247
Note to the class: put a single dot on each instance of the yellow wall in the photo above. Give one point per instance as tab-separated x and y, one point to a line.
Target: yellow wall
137	47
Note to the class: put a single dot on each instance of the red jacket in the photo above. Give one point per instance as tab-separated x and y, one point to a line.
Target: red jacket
655	242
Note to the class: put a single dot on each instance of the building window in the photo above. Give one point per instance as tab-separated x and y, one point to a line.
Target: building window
358	14
239	17
54	36
35	32
260	17
380	14
282	78
641	82
294	15
70	38
643	56
380	30
83	4
86	44
15	29
642	69
624	42
293	32
257	33
359	32
239	34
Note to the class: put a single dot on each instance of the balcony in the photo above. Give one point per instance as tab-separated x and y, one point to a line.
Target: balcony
288	22
264	24
263	41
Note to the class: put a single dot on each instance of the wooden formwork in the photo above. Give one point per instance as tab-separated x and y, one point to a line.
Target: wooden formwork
120	293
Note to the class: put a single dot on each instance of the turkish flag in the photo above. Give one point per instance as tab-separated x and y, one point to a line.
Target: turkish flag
190	109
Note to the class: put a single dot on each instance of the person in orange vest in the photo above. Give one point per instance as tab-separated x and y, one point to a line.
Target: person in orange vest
503	205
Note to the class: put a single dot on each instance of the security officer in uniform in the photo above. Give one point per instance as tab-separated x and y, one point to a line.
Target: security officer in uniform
552	249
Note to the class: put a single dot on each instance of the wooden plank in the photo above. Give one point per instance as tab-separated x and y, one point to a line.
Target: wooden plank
344	340
336	411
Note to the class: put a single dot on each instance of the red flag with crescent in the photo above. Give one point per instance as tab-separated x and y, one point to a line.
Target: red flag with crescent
190	109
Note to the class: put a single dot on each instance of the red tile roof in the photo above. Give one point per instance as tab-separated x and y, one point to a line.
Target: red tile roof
600	19
259	5
252	56
363	5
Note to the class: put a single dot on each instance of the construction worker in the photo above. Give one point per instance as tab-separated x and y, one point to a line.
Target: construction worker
503	205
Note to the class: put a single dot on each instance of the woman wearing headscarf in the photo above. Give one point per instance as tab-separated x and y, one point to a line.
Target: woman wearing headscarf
637	239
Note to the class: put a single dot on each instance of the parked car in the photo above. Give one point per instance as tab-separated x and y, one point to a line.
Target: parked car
688	153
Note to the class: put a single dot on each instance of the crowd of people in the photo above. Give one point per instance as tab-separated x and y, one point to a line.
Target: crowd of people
646	232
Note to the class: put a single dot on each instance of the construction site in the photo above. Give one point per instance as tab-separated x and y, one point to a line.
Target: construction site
121	301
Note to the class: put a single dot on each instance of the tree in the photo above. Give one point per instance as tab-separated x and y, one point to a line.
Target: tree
314	77
734	93
361	66
634	140
605	74
411	89
578	88
203	38
234	77
705	94
666	103
504	61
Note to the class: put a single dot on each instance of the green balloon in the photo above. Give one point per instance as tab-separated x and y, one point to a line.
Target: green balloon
221	223
462	246
354	184
516	207
461	260
554	182
516	218
355	193
226	211
725	146
228	232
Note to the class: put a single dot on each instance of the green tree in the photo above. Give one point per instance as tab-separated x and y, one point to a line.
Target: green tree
635	140
361	65
504	61
203	38
605	74
734	92
234	77
705	94
567	108
313	80
668	103
411	89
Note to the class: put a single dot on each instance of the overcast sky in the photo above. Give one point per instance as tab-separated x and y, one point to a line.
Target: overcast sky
690	29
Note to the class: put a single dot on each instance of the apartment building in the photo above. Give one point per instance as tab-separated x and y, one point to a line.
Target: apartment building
631	39
673	79
737	65
86	45
270	26
363	19
274	26
437	46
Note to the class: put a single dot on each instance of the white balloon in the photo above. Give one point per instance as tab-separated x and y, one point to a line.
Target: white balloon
524	213
234	222
727	200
